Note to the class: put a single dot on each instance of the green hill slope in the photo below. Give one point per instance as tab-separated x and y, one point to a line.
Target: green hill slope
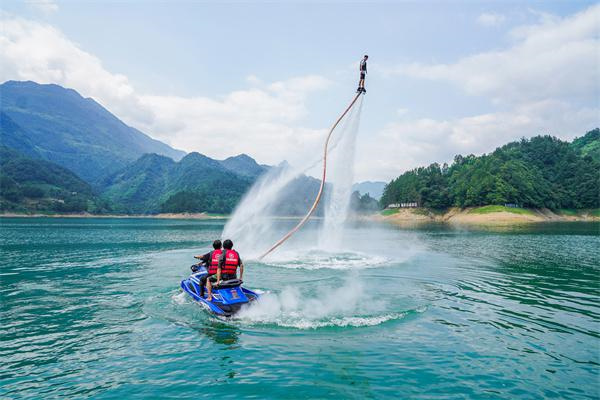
589	144
37	185
156	183
542	172
57	124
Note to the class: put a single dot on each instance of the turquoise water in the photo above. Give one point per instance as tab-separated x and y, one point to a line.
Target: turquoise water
92	308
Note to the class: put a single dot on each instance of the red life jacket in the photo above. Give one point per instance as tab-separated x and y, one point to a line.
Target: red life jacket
232	259
214	261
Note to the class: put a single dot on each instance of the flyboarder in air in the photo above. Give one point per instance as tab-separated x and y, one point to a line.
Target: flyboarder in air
363	72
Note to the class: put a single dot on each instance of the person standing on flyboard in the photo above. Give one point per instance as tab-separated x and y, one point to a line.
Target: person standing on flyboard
363	72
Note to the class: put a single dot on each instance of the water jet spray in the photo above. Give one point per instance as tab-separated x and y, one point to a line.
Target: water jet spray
321	187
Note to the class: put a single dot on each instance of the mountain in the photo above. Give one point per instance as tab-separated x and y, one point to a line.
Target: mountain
373	189
244	165
541	172
298	196
156	183
27	184
363	204
56	124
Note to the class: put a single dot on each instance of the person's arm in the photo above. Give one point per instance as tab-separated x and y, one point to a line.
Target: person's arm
241	270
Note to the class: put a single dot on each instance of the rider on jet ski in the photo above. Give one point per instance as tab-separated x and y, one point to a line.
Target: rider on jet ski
206	260
225	266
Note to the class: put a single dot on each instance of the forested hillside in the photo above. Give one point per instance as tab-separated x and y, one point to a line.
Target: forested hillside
158	184
539	172
37	185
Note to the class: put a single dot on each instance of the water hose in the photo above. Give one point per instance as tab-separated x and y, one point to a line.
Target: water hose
318	198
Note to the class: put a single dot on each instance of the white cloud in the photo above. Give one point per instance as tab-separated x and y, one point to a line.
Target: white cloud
547	82
407	144
45	6
490	19
556	58
261	121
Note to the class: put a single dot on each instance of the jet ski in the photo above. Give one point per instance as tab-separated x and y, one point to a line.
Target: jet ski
227	298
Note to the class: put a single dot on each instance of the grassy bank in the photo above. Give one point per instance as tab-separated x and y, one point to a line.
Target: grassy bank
486	215
495	209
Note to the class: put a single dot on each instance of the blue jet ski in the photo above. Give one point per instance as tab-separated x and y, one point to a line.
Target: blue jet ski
228	297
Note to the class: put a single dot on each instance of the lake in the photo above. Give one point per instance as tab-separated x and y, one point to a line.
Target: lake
92	308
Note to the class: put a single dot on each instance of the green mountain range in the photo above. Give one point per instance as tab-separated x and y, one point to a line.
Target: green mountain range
102	163
60	152
194	184
55	124
541	172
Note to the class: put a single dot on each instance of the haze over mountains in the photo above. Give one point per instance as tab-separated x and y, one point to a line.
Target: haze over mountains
373	189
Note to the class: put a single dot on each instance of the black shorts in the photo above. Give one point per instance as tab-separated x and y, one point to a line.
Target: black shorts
362	75
224	277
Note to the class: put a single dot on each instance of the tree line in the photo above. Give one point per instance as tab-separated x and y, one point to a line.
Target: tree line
541	172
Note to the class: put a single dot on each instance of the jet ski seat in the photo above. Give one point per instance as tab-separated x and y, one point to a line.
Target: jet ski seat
229	284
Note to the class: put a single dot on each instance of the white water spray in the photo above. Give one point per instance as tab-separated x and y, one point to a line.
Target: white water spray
253	227
341	178
345	305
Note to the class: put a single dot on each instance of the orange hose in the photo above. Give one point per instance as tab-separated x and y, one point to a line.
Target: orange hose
314	206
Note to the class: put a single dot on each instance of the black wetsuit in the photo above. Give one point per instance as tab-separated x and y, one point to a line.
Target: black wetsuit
205	260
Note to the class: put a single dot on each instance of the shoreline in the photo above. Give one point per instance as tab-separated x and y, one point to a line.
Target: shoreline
401	217
500	216
136	216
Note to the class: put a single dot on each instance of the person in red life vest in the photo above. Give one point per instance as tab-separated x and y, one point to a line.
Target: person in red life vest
229	261
211	261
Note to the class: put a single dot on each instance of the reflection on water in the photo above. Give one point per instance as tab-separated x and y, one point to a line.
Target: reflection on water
221	333
433	311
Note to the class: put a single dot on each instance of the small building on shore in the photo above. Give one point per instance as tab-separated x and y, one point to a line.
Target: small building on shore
403	205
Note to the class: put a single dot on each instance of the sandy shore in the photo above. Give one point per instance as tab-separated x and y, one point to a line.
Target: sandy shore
469	216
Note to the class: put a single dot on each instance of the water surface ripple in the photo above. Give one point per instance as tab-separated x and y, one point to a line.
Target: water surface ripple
91	308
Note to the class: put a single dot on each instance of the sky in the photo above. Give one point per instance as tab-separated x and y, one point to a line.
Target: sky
268	78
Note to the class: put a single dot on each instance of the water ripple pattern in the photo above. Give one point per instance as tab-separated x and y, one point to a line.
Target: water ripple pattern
91	308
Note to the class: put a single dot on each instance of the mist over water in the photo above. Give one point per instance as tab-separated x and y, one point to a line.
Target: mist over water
254	226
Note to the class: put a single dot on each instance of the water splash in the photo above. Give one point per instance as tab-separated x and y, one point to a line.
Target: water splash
349	304
341	178
254	228
316	259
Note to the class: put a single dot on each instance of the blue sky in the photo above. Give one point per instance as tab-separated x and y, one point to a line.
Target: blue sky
267	79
